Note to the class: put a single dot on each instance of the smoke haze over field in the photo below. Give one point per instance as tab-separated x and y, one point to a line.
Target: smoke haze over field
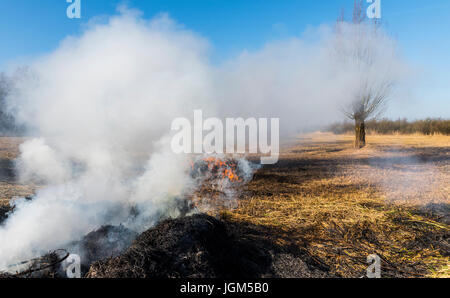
101	106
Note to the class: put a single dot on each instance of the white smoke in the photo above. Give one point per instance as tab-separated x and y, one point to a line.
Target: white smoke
306	81
102	104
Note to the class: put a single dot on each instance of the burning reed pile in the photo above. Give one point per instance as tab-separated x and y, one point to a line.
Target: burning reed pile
213	168
201	246
218	181
198	246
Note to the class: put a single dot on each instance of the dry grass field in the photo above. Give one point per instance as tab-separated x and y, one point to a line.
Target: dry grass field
338	204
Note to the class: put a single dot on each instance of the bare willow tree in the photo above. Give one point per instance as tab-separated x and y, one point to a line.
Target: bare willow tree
370	93
369	103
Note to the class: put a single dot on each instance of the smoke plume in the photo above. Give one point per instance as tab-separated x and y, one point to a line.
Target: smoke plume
101	106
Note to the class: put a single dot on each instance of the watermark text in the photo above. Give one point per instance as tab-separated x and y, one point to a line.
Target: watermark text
229	138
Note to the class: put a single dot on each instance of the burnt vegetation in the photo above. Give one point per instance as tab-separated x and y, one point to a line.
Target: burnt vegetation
202	246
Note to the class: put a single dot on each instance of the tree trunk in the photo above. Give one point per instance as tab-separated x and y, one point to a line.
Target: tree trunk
360	134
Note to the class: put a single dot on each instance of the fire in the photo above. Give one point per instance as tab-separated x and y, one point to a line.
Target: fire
218	168
218	181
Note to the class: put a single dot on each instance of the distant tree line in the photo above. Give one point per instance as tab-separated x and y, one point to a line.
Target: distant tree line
402	126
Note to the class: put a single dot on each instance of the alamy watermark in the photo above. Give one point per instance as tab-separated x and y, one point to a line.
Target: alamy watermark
229	138
74	9
374	9
73	266
374	269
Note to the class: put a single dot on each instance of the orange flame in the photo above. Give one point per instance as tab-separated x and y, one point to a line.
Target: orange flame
222	169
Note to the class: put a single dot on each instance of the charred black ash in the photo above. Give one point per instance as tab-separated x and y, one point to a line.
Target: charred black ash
107	241
201	246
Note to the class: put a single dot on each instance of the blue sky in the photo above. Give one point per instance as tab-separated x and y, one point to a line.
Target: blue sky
29	28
